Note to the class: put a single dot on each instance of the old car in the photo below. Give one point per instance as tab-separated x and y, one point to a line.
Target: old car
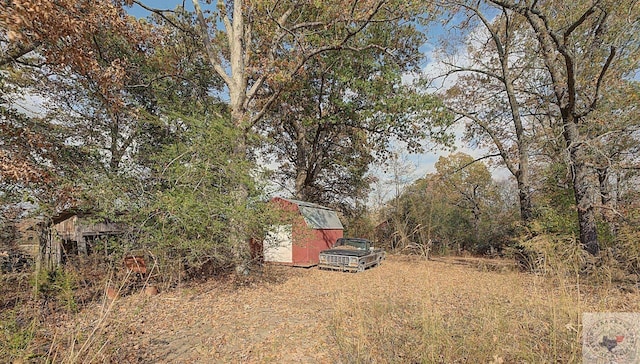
351	254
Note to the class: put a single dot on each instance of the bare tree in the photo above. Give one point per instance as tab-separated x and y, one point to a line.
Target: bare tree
584	45
493	70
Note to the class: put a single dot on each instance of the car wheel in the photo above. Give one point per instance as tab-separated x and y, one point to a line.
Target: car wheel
361	267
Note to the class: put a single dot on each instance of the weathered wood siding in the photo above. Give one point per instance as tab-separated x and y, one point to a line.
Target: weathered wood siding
76	229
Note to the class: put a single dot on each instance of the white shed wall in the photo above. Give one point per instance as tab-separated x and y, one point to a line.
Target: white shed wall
278	244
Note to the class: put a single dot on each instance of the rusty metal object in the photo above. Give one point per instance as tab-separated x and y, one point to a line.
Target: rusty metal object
135	264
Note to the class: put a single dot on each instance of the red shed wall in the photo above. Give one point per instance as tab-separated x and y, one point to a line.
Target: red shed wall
306	247
307	243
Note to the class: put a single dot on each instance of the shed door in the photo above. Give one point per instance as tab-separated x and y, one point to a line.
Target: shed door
278	244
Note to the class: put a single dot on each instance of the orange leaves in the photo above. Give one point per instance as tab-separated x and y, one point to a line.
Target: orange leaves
66	31
17	170
23	152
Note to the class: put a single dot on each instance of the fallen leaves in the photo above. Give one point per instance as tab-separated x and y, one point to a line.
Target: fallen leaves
313	316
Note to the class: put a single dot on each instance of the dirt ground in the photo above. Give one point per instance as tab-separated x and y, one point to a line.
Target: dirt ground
276	322
279	319
287	315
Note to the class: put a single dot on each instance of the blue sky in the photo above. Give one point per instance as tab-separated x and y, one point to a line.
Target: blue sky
139	12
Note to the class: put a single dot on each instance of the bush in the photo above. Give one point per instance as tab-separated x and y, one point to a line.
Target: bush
58	286
549	255
204	203
16	335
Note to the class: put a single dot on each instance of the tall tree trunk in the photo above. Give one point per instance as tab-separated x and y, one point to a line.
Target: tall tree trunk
522	172
524	195
236	79
502	41
560	63
607	199
301	163
301	183
584	186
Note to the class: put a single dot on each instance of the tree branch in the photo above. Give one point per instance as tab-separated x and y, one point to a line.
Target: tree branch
16	51
579	22
267	105
215	62
475	161
160	13
156	79
458	69
501	149
603	71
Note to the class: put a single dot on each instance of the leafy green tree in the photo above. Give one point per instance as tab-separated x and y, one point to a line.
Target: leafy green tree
468	186
259	48
160	74
47	47
332	123
108	128
190	204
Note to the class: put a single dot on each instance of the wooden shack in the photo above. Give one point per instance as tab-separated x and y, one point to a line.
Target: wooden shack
29	234
20	243
74	233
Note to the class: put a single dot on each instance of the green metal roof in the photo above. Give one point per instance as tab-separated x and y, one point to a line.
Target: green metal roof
316	216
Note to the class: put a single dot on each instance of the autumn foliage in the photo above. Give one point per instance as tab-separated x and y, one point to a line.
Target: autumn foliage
64	34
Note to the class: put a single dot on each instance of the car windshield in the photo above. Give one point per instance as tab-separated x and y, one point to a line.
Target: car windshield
356	243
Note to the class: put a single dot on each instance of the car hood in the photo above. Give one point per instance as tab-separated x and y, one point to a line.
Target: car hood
347	252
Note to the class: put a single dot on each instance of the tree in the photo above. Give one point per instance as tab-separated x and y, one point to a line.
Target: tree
314	133
459	205
258	48
401	170
332	122
19	166
159	75
487	95
585	46
62	34
261	47
185	212
616	140
42	43
108	108
467	183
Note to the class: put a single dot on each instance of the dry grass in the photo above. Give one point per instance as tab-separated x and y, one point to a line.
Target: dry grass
441	313
406	311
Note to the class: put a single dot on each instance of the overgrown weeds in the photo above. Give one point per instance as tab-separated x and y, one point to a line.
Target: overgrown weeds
16	334
407	310
561	257
33	304
464	317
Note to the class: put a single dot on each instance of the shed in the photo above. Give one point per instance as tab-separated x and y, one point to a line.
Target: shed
309	229
76	232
